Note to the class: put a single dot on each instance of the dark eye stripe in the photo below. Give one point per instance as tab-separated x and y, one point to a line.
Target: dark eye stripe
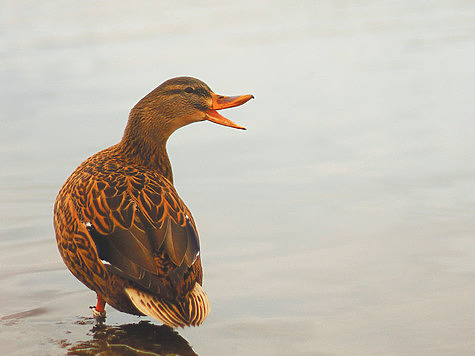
203	92
199	91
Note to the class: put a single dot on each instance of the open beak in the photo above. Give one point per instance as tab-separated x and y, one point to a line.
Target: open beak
224	102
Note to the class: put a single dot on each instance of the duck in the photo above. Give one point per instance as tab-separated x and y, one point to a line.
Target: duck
122	229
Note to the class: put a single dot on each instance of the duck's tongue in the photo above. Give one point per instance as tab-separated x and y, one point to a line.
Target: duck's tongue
224	102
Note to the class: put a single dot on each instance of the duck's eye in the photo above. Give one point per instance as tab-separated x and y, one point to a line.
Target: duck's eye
189	90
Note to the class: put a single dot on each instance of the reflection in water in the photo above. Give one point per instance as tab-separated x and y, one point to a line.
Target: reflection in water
354	193
143	338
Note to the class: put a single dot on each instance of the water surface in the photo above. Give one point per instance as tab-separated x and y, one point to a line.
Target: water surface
340	223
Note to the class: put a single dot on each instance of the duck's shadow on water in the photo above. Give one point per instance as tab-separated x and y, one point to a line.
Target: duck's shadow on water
142	338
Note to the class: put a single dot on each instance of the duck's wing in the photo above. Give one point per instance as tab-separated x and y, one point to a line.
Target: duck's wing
141	229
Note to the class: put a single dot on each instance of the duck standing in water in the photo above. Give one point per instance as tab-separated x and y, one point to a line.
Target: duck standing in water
121	227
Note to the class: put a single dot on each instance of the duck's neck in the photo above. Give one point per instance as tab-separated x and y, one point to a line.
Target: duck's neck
145	150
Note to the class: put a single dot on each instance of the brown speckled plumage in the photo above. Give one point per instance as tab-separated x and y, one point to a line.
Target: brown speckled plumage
120	225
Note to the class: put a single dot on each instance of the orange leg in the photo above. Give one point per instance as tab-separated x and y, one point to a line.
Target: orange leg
99	312
101	303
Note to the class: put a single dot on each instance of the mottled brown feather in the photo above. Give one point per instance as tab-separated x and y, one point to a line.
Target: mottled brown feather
121	226
130	209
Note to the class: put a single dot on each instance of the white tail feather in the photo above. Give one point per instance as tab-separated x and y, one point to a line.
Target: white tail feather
190	312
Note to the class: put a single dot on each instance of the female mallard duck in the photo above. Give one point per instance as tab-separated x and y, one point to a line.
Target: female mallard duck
121	227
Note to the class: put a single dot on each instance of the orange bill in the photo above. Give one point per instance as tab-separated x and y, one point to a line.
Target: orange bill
224	102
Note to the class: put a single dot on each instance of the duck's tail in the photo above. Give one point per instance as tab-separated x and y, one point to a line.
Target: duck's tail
192	311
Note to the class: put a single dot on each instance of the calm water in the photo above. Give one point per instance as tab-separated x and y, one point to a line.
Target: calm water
342	222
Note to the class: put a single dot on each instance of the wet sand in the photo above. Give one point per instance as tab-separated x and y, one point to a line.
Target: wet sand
340	223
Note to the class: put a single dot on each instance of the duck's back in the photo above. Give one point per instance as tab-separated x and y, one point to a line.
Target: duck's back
122	230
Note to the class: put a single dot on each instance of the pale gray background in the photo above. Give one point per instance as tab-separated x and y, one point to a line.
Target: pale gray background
340	223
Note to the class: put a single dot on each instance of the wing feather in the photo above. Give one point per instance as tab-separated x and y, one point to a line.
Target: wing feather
142	229
176	242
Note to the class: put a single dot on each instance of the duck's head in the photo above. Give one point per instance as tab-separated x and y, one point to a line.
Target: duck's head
179	102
